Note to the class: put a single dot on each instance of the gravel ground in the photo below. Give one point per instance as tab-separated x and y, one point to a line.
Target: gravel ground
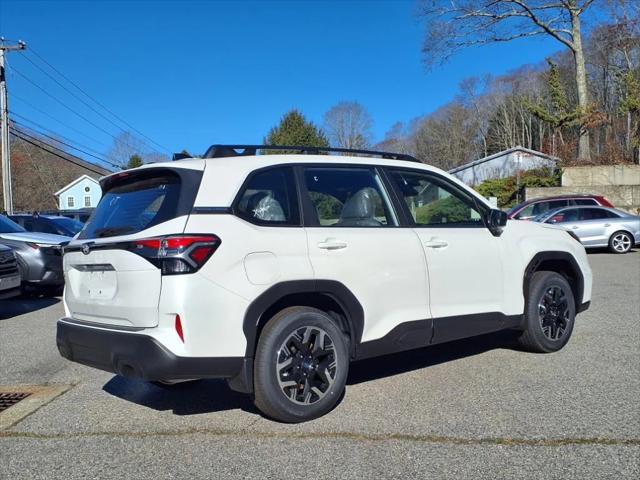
468	409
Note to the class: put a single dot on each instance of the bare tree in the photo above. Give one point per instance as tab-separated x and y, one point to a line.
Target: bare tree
455	24
348	125
125	145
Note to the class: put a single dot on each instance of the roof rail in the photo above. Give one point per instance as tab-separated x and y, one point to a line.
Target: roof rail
218	151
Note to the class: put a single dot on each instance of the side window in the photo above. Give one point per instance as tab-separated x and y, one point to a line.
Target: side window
433	202
585	201
539	208
565	216
553	204
594	214
269	198
348	197
526	212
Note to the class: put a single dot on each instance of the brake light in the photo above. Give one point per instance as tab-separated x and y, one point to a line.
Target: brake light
177	254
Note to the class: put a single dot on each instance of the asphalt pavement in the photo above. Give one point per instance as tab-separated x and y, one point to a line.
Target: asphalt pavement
469	409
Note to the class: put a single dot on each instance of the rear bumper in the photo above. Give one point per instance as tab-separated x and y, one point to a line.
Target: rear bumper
137	355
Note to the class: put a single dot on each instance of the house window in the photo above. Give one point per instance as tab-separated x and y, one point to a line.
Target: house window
71	202
87	201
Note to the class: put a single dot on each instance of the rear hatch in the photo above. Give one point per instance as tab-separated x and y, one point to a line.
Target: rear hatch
110	277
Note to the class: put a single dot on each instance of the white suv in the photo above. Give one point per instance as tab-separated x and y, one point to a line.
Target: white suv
276	271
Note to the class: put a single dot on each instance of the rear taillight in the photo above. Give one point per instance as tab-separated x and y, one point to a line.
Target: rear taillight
177	254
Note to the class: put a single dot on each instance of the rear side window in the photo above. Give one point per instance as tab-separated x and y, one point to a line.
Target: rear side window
595	214
348	197
585	201
270	198
133	205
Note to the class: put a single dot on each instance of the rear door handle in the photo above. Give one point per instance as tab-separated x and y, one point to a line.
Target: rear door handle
332	244
607	224
435	243
575	227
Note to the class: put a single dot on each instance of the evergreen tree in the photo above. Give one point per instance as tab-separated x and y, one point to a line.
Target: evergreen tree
295	130
555	110
134	161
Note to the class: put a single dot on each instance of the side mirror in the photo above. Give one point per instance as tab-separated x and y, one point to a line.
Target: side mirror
496	219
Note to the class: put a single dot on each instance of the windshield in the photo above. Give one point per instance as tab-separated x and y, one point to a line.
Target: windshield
68	225
9	226
134	205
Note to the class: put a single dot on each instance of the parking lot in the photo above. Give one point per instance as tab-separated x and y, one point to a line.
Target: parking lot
469	409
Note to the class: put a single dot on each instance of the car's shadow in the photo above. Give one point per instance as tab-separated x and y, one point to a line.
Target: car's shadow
208	396
24	304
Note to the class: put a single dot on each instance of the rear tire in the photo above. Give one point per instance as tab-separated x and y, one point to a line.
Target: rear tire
620	242
301	365
550	313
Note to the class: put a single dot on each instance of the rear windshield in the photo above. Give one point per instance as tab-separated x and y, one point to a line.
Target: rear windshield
68	225
9	226
133	206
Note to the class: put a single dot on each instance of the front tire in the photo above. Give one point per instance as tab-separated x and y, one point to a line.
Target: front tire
301	365
620	242
550	313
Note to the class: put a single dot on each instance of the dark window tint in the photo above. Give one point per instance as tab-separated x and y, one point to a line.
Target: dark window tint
565	216
134	205
270	198
9	226
67	226
45	226
434	202
585	201
541	207
595	214
348	197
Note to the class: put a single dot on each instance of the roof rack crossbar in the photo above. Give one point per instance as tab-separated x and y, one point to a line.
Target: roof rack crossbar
218	151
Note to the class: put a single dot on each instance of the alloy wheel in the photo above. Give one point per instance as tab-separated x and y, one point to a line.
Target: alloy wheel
306	365
553	313
621	242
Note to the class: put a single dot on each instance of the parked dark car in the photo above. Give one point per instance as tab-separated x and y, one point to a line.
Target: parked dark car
39	256
9	273
57	225
532	208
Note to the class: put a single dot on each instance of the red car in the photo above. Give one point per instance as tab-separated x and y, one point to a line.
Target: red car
532	208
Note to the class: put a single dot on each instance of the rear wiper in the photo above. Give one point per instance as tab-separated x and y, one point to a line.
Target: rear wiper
111	231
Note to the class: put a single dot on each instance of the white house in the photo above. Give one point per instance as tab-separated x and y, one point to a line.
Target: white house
503	164
83	192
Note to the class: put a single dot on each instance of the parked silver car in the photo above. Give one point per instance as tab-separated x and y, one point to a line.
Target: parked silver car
597	226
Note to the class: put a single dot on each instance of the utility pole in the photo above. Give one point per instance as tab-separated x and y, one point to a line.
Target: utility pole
4	127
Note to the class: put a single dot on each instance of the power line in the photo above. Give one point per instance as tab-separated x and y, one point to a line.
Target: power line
74	95
13	69
65	144
97	102
13	95
38	128
86	167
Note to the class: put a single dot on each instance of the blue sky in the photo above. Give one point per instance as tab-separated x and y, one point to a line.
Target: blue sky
189	74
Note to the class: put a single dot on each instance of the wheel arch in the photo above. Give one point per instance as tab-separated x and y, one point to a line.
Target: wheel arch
561	262
327	295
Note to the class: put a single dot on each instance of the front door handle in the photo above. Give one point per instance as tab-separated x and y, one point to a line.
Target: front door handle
607	224
575	227
435	243
332	244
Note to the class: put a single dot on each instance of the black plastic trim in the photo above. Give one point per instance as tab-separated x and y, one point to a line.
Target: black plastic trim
422	333
211	211
540	257
583	306
137	355
335	290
